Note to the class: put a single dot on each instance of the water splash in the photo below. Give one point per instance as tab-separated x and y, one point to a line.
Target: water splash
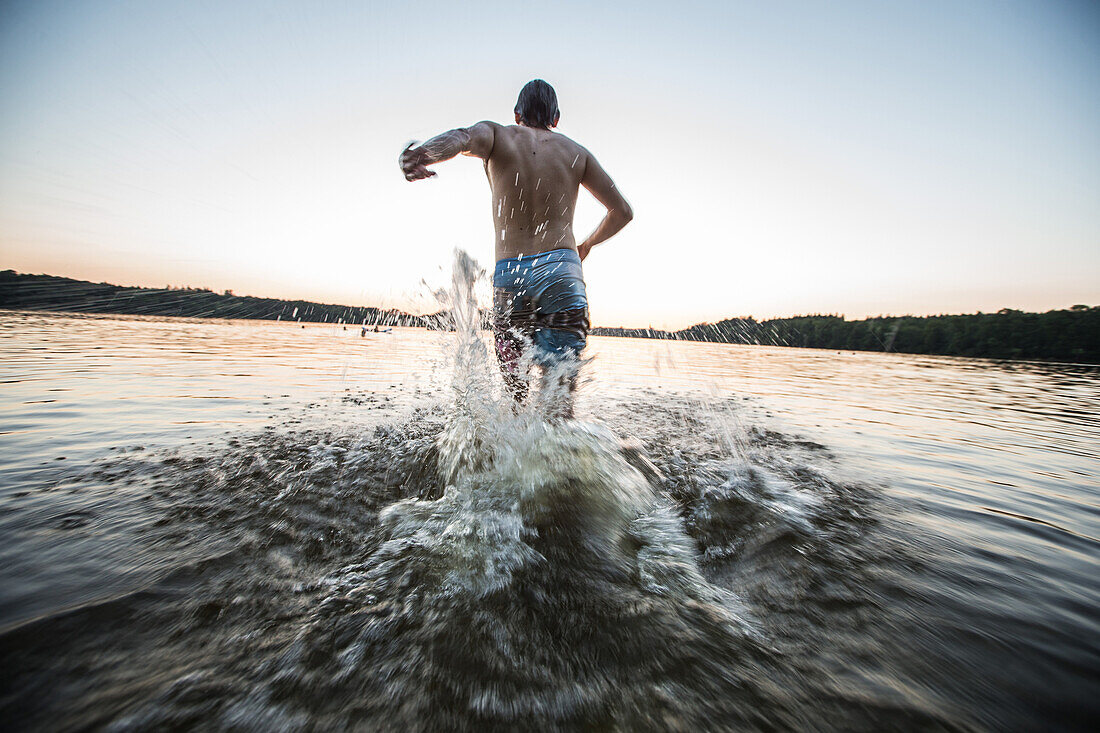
547	579
468	434
506	468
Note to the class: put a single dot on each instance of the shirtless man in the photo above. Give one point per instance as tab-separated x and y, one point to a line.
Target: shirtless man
535	175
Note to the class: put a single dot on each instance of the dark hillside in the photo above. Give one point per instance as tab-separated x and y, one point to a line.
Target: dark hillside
46	292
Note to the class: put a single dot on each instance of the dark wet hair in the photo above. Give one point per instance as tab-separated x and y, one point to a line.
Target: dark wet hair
537	105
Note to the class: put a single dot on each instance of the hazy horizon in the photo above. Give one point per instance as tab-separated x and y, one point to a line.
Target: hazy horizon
855	158
484	304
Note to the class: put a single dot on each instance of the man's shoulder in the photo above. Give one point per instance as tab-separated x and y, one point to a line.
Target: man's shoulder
518	130
571	145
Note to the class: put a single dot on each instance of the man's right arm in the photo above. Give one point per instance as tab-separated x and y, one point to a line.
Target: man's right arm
476	140
619	213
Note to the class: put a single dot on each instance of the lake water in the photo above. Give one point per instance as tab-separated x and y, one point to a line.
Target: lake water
255	525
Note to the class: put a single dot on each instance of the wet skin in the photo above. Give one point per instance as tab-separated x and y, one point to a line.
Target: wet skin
535	175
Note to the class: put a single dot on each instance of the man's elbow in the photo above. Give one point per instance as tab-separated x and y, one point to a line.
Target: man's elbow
462	139
626	214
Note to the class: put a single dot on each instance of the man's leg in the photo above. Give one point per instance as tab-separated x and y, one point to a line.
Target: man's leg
508	335
558	353
510	357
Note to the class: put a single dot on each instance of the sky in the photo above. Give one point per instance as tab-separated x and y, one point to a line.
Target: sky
781	158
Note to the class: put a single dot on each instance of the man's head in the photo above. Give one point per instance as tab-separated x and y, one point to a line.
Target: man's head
537	105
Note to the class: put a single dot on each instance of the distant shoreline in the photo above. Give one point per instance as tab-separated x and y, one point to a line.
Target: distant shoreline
1070	335
48	292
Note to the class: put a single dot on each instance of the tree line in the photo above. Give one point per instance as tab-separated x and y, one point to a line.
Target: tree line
1071	335
46	292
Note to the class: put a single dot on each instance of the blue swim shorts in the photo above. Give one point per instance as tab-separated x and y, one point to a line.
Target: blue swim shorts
540	298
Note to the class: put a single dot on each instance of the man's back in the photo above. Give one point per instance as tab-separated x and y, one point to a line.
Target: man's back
535	176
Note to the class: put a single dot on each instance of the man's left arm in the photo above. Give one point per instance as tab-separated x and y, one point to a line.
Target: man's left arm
619	213
476	140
